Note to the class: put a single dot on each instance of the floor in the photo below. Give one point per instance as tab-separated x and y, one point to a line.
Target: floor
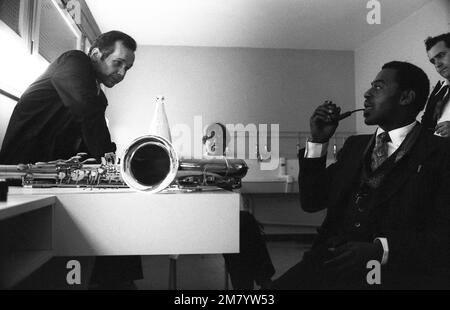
194	272
205	272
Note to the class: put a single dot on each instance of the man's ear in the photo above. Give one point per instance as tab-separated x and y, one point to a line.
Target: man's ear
96	54
407	97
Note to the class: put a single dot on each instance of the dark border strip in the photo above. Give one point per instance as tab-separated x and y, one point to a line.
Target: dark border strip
9	95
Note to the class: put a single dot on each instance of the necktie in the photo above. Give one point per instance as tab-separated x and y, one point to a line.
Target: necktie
380	151
441	99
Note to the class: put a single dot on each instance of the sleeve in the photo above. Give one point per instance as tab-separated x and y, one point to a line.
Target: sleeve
315	150
75	82
315	180
385	245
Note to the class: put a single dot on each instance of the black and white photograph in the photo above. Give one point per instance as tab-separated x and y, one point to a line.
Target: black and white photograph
224	151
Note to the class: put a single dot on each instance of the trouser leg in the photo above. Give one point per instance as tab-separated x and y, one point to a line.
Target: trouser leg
113	269
253	262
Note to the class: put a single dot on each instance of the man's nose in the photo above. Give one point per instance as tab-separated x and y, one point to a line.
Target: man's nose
122	72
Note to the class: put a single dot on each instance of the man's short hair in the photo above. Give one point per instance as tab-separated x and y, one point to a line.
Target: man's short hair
106	42
411	77
432	41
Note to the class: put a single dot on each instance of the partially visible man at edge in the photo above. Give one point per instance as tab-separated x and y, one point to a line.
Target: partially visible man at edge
437	113
63	113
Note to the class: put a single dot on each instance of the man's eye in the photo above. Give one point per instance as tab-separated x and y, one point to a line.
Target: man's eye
440	55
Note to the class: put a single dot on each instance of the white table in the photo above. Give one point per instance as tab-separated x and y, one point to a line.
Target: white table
83	222
26	243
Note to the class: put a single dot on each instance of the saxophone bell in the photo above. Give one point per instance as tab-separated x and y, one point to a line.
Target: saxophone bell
149	164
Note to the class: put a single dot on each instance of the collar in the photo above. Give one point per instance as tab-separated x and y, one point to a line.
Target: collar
98	87
397	135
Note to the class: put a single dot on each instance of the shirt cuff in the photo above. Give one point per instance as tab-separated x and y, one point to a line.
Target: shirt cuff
384	244
315	150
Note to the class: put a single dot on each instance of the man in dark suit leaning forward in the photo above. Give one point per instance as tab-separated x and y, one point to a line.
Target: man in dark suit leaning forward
387	196
63	113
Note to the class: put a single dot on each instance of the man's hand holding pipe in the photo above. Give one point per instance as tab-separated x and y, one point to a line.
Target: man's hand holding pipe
324	121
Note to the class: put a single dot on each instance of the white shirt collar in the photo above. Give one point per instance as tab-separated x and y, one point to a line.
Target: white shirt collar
399	134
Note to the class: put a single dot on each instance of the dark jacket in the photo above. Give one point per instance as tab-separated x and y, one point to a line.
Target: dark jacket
60	114
411	208
428	119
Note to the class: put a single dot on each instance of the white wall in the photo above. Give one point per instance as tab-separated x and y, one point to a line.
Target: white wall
230	85
404	42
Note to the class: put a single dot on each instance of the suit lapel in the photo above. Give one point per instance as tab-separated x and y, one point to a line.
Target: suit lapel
102	99
428	116
404	169
352	166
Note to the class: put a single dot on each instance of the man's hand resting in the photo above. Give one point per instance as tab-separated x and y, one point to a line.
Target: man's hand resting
352	257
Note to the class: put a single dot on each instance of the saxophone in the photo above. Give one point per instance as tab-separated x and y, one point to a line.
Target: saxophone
149	164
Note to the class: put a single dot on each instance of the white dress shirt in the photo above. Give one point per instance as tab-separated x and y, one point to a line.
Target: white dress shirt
315	150
398	135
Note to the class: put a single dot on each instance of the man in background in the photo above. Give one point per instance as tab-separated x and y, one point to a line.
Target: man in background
437	113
